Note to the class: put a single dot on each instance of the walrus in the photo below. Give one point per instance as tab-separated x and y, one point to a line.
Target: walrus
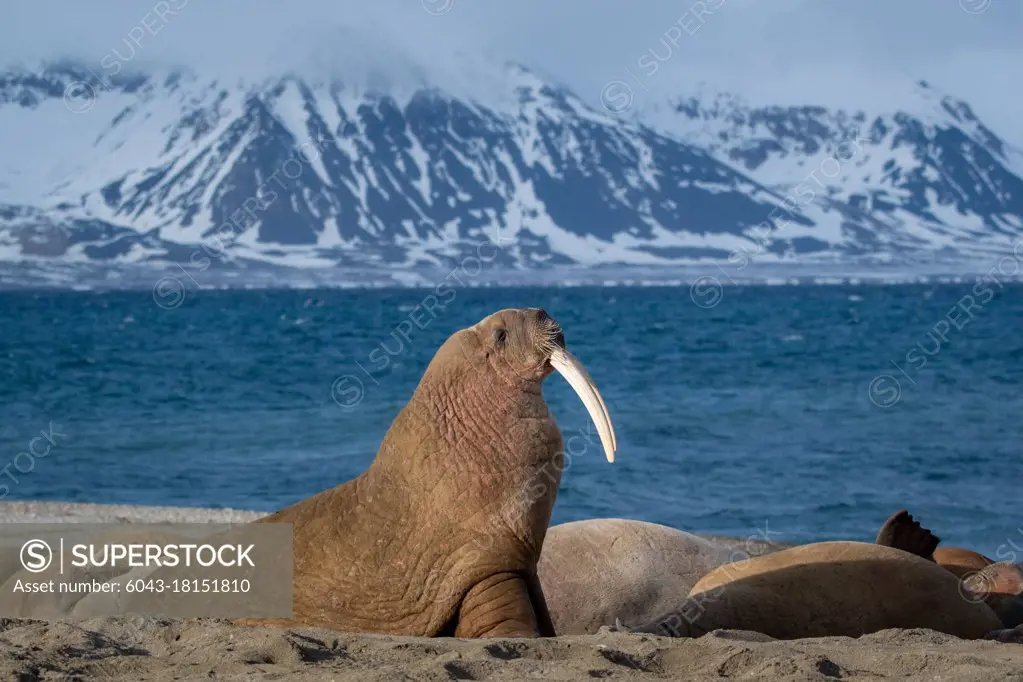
599	570
999	585
961	562
833	589
441	535
596	570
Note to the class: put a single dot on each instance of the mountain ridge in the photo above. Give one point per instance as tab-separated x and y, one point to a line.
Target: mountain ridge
308	173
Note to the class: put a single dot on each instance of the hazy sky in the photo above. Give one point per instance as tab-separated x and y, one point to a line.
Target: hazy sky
786	51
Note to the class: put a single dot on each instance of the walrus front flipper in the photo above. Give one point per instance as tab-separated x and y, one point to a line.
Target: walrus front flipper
690	620
902	531
1009	635
499	606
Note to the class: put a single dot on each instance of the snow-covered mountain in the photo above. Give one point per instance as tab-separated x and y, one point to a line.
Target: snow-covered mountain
174	167
925	176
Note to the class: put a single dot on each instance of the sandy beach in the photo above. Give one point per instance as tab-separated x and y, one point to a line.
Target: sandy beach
137	648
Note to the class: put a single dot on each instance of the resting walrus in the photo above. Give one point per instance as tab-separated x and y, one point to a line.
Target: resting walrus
442	533
834	589
999	585
597	571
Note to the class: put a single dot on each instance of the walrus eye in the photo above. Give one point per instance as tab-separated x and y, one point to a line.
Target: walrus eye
500	336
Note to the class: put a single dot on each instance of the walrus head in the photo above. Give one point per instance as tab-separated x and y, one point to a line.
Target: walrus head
522	347
480	400
1001	586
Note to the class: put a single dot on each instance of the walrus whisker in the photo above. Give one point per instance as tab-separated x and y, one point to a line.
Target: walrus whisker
579	379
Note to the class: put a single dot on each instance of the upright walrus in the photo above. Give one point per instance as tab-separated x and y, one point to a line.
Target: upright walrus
442	533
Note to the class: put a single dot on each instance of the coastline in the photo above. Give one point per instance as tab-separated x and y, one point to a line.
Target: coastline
17	511
28	276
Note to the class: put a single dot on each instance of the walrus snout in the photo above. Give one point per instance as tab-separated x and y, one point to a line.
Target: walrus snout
558	338
548	329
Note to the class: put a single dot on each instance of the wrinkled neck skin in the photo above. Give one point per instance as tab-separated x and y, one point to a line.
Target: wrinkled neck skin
477	445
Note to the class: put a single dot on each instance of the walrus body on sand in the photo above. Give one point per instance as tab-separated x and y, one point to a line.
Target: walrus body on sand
999	585
600	571
442	534
836	589
597	570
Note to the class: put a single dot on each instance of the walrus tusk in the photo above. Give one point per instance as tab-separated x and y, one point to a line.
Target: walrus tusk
575	374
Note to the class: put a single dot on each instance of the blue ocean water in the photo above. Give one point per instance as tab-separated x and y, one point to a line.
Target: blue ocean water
794	413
